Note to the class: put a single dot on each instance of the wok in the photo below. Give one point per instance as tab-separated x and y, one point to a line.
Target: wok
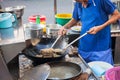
60	44
32	51
63	70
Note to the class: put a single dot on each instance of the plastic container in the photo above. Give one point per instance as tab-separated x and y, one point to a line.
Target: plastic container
113	73
32	19
7	33
63	18
99	67
35	33
5	20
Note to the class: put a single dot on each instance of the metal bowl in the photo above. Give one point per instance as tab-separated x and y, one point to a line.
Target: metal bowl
52	29
18	10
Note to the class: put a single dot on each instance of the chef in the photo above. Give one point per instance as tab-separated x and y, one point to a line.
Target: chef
96	17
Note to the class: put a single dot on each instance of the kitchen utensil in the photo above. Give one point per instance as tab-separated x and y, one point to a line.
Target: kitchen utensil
56	41
63	70
7	20
36	33
18	10
31	51
61	44
75	40
40	72
52	30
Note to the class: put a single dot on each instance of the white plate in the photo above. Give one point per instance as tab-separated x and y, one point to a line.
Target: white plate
76	28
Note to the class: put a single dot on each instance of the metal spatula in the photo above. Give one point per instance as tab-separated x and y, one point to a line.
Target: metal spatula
56	41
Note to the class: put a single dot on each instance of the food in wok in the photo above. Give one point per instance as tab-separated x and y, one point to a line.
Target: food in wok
49	52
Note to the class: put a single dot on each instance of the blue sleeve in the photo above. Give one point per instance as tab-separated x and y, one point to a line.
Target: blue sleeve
108	6
76	12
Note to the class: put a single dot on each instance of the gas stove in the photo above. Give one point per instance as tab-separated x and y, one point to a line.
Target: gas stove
26	63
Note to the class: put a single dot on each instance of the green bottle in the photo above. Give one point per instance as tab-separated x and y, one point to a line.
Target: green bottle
37	20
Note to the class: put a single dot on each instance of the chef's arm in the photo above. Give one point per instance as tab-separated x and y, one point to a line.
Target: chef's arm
63	30
113	18
71	23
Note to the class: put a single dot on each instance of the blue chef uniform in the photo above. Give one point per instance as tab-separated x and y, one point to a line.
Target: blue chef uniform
95	47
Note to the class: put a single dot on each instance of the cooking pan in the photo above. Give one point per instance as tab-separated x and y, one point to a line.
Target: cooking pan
63	70
53	71
61	44
32	51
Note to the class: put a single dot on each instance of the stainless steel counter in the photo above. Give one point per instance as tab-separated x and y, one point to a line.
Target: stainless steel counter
11	41
20	34
11	35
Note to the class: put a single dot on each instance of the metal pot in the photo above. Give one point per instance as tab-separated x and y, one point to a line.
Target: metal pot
18	10
52	29
35	33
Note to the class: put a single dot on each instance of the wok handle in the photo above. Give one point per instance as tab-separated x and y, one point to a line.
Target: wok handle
56	41
76	40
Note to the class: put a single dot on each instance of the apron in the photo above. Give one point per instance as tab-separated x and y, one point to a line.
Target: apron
94	47
105	56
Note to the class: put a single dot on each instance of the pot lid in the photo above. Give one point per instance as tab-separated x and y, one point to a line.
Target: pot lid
5	16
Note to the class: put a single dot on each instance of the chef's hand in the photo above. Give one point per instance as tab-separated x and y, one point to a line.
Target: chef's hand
94	30
84	76
62	31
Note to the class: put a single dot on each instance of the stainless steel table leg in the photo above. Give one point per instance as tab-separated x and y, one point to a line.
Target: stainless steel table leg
4	72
